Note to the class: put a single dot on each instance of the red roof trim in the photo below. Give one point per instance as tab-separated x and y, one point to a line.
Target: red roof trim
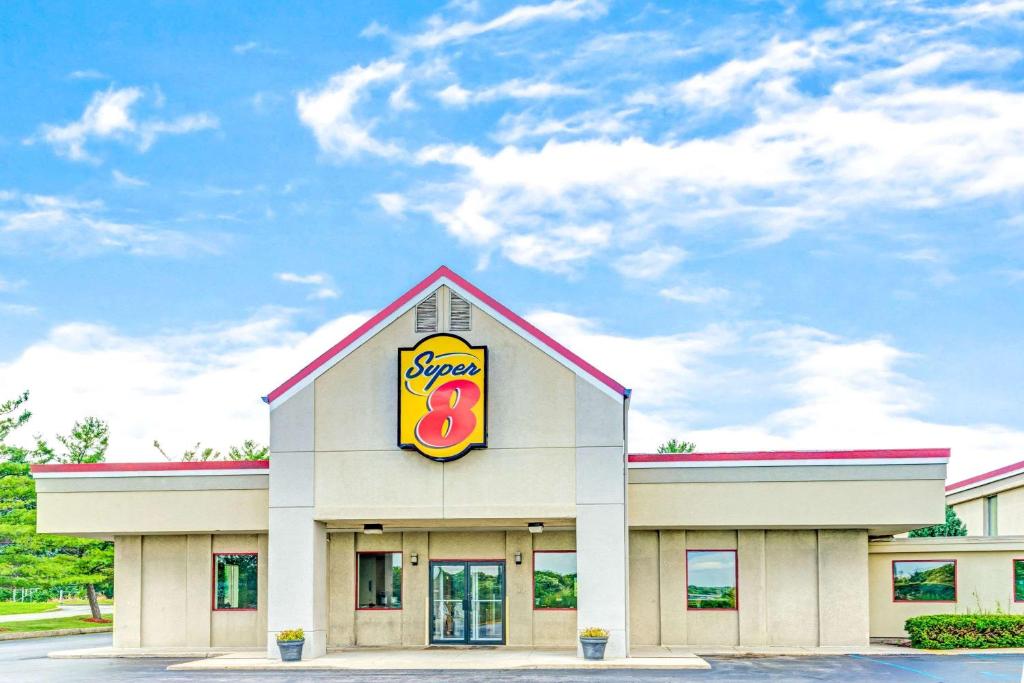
895	454
1001	472
154	466
443	272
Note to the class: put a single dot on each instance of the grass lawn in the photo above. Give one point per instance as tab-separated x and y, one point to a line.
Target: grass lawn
26	607
50	624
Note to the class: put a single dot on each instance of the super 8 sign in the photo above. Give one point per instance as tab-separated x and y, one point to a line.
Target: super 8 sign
442	397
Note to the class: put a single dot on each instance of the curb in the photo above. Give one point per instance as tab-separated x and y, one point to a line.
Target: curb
24	635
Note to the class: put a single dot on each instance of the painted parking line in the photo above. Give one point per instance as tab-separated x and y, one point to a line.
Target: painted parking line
899	666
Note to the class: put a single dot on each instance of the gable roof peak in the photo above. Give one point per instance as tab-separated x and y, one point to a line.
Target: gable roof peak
444	275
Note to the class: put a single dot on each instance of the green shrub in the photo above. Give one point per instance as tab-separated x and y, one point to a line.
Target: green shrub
948	631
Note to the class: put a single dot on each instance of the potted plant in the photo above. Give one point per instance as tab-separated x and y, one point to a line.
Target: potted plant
593	640
290	644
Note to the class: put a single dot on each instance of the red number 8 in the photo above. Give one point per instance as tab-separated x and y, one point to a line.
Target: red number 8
456	415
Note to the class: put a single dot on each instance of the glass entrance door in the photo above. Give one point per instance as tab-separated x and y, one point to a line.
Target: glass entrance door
467	602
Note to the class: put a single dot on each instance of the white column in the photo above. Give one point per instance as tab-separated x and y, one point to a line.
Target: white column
297	543
297	584
602	531
601	563
602	545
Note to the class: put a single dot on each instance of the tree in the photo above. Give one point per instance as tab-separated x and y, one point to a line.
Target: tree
17	500
953	527
249	450
87	442
675	446
70	560
31	560
10	420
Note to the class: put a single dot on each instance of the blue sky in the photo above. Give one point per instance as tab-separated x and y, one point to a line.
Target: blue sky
782	224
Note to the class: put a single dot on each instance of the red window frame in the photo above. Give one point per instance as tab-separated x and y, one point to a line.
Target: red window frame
1013	577
533	582
956	584
213	576
736	579
401	586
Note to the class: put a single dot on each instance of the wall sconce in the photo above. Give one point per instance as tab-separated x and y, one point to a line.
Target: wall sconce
373	528
535	527
414	559
518	557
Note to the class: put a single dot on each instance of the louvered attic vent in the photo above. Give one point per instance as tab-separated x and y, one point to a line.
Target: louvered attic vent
426	314
460	314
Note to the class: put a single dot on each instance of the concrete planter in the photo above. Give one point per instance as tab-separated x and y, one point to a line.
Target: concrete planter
593	648
291	650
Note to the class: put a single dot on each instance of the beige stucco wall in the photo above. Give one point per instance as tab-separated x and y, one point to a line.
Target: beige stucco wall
164	588
531	436
787	504
409	626
1009	506
138	512
972	514
984	574
796	587
1011	512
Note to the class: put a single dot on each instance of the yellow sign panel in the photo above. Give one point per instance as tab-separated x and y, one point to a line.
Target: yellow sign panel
442	397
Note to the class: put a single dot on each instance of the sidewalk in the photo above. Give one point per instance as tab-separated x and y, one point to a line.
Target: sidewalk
442	659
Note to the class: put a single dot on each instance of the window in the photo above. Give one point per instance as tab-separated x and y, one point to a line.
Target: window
992	515
379	581
459	314
554	579
1018	580
924	580
711	579
236	581
426	314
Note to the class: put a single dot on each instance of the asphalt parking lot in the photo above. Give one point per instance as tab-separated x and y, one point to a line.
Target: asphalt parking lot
26	661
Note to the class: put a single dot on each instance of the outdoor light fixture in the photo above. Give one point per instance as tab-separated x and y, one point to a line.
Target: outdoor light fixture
373	528
518	557
414	559
535	527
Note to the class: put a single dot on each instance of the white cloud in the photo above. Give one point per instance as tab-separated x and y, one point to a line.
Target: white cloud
650	264
392	203
800	164
454	95
11	285
254	46
321	284
718	86
516	89
695	294
399	99
125	180
374	29
7	308
87	75
559	249
80	228
439	32
328	112
805	389
149	131
819	392
109	116
524	125
178	387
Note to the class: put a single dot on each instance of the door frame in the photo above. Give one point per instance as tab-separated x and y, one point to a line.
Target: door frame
467	564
